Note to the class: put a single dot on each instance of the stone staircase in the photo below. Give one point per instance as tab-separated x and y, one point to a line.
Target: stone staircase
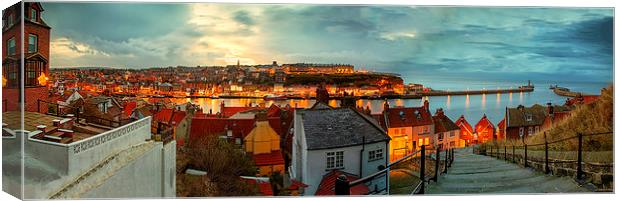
477	174
97	175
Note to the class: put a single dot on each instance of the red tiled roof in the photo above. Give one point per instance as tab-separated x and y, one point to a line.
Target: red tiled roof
484	123
129	106
296	185
273	158
273	111
408	117
328	183
443	123
166	115
263	187
502	124
230	111
202	127
587	99
464	125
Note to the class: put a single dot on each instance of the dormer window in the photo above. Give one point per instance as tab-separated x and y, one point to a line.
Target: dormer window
528	117
11	19
33	15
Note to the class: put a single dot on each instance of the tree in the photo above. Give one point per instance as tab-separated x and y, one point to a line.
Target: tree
223	163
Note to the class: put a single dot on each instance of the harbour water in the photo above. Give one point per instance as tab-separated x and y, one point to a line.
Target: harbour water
472	106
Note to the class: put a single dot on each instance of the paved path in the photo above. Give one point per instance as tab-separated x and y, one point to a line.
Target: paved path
472	173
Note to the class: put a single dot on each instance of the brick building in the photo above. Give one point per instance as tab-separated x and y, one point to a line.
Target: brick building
35	53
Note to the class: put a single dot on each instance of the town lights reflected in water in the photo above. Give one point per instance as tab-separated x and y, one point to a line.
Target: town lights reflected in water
484	101
467	101
498	100
454	106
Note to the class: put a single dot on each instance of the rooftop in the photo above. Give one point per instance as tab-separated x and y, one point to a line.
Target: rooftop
339	127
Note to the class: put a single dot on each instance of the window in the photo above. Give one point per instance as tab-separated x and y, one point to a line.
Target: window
451	143
420	141
11	20
11	46
335	160
452	133
33	15
521	131
426	141
530	131
32	43
528	117
536	129
375	154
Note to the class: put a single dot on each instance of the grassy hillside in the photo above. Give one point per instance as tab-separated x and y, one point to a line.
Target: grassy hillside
593	118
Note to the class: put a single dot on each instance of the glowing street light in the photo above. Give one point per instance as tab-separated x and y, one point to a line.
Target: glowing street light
42	79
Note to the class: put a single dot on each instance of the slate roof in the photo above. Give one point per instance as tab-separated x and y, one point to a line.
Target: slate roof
339	127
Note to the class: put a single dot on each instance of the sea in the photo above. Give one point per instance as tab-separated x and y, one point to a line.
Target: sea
473	107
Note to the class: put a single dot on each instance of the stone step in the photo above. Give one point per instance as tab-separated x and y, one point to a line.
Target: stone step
471	173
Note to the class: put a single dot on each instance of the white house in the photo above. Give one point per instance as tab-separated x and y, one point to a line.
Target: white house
329	142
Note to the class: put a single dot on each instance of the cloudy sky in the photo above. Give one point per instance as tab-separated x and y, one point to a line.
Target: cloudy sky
456	42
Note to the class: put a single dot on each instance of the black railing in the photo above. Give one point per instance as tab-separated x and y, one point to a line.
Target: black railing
342	186
580	174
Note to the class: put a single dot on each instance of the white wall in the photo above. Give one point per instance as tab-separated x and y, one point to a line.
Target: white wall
315	169
139	179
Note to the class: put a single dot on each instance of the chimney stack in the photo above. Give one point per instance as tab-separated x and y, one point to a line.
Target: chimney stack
261	116
549	109
386	105
41	128
426	105
439	112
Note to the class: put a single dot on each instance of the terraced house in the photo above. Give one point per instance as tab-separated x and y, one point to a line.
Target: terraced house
330	142
408	127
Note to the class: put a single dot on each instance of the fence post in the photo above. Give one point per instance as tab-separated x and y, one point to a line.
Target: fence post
422	168
525	157
450	159
513	153
505	155
436	164
342	186
445	163
452	156
579	156
546	154
497	152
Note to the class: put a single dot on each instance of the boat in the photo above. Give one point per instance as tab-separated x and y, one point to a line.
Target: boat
269	97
